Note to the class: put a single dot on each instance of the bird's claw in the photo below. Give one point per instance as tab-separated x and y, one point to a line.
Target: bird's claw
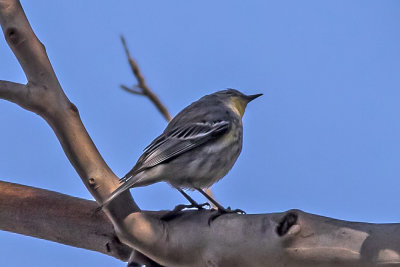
224	211
238	211
190	206
175	212
201	206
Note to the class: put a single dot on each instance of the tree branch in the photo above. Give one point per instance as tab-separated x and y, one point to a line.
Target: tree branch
43	95
69	220
145	90
132	90
292	238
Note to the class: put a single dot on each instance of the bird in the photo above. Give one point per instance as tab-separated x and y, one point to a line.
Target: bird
198	147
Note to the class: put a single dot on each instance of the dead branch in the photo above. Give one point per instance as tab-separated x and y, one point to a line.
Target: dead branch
144	89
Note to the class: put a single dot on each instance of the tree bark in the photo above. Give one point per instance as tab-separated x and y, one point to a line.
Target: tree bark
60	218
292	238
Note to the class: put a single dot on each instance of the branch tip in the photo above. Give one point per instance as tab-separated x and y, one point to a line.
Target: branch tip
144	88
123	41
132	91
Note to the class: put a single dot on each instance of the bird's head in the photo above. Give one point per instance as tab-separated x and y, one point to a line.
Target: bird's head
236	100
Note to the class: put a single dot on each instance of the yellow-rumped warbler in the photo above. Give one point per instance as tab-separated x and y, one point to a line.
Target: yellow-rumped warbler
198	147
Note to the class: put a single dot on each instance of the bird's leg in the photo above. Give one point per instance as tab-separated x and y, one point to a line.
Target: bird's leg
175	212
193	203
211	199
221	210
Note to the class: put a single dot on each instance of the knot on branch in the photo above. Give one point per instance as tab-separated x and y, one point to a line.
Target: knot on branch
12	35
92	182
287	221
117	249
73	108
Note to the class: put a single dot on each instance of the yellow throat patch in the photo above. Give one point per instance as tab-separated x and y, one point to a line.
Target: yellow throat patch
238	105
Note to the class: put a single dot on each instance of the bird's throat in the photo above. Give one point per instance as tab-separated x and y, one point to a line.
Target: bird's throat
238	106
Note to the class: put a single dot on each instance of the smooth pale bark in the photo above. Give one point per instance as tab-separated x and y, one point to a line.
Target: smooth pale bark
59	218
292	238
43	95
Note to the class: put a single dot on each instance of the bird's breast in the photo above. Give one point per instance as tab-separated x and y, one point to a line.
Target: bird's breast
209	163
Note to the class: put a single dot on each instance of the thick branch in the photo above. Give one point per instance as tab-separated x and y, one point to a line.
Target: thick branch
292	238
23	42
59	218
44	96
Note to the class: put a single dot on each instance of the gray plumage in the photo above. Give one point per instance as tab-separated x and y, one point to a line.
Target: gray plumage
197	148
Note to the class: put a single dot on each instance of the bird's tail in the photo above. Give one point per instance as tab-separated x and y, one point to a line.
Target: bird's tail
126	183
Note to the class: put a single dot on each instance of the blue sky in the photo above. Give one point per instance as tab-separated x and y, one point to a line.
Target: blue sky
324	138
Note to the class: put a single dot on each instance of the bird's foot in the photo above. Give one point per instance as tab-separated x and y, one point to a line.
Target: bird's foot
176	211
222	211
200	206
190	206
238	211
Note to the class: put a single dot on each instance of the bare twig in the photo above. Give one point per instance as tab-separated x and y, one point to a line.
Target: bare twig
132	90
145	90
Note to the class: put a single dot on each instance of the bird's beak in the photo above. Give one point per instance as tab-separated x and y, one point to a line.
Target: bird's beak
252	97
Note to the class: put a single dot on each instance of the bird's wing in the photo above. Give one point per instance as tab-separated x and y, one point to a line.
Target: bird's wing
176	142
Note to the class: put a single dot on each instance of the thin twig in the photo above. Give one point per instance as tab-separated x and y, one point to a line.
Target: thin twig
131	90
142	84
